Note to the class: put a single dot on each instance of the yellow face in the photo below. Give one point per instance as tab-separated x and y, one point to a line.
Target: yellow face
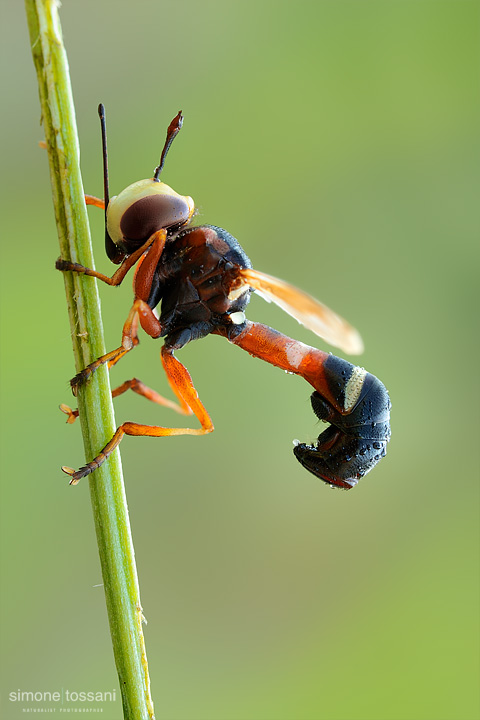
144	207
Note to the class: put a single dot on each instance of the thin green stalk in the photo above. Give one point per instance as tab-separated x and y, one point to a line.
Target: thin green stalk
96	412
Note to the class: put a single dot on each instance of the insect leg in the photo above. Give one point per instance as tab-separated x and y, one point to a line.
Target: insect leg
72	414
181	382
157	239
97	202
139	309
141	389
131	329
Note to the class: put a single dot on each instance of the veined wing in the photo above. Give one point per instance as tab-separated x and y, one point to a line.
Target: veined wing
308	311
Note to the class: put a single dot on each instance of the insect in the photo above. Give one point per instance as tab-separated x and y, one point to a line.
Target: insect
203	281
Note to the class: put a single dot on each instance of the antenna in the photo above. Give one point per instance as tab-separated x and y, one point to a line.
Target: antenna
113	252
172	130
101	115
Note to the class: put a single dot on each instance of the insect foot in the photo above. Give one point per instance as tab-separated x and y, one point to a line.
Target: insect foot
82	377
354	442
79	474
72	414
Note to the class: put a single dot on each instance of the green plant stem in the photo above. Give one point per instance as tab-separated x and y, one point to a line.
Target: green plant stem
94	401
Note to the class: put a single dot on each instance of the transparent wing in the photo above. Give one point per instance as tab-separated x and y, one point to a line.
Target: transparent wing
308	311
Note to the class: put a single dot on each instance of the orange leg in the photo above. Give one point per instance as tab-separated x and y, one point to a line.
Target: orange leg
92	200
132	330
157	240
72	414
141	389
139	310
181	382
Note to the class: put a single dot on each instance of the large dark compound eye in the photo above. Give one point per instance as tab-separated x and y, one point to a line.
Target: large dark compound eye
149	214
142	209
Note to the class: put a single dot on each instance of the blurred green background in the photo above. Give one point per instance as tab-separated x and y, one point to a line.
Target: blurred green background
338	141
